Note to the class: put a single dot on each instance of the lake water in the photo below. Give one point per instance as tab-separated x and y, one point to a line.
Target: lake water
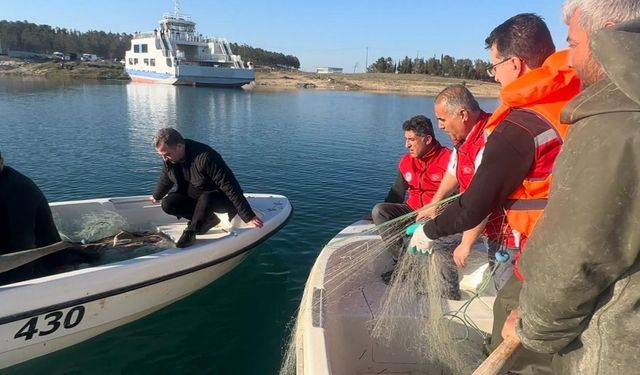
333	154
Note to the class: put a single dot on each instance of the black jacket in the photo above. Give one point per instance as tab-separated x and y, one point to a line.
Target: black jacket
24	213
205	170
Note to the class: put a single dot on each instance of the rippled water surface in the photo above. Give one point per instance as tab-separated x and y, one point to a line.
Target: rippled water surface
333	154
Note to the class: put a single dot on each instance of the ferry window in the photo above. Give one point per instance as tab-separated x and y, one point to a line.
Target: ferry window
135	61
130	61
152	62
146	61
144	48
169	62
136	48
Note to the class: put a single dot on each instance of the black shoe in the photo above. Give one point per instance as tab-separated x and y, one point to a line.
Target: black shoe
187	239
211	222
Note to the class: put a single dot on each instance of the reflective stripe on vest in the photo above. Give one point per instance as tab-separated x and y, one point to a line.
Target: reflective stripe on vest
525	204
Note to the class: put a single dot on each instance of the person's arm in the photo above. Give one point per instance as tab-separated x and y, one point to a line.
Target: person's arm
398	190
469	238
163	186
586	240
221	175
507	159
447	186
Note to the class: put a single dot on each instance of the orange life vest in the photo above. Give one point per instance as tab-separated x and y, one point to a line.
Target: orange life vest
544	91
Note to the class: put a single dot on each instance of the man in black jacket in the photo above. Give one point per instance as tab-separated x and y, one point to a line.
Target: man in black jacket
204	184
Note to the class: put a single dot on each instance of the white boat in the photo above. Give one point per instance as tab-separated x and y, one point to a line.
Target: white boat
176	54
40	316
333	333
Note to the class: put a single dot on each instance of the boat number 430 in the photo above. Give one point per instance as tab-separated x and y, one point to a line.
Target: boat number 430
47	324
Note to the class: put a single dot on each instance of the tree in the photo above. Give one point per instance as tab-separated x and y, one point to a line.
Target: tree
405	66
382	65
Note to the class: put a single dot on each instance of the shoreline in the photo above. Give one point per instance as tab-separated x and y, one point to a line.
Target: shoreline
381	83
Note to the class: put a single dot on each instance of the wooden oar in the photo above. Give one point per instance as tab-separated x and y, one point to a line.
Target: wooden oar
123	239
498	360
17	259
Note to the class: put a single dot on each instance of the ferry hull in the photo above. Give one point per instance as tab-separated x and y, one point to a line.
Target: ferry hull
196	76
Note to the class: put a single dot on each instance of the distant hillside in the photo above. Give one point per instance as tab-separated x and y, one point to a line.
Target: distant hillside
26	36
260	57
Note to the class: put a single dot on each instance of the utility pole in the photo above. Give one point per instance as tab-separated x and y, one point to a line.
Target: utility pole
366	61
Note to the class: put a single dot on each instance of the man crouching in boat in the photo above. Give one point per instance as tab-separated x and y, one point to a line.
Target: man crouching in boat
204	184
420	172
26	220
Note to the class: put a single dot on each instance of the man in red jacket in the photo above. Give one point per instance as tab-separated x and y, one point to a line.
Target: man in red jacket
460	116
420	172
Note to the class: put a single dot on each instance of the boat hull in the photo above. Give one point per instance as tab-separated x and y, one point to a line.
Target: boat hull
196	76
44	315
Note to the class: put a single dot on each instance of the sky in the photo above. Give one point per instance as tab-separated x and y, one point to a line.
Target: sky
347	34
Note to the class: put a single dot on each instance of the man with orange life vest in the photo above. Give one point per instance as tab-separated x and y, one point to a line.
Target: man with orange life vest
420	172
525	138
460	116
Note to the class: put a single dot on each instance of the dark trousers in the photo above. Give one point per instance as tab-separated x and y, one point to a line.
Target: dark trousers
197	206
525	361
503	271
442	248
383	212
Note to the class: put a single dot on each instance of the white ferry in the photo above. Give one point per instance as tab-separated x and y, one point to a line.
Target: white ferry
175	54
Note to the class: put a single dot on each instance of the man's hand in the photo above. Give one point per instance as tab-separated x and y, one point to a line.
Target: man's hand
419	244
460	255
153	200
426	213
509	327
256	222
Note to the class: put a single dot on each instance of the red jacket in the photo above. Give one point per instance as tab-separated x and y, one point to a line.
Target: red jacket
423	175
466	155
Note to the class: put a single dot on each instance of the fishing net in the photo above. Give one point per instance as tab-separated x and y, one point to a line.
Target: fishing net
108	238
414	312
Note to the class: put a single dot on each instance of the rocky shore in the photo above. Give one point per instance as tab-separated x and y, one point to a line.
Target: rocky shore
409	84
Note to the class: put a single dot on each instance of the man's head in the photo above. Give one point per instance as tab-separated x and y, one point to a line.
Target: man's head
457	111
418	135
584	17
521	43
169	144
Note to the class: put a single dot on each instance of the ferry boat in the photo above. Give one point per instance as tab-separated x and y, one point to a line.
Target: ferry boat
176	54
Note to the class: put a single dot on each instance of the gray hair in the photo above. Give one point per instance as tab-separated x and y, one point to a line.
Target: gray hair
167	136
457	97
595	13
